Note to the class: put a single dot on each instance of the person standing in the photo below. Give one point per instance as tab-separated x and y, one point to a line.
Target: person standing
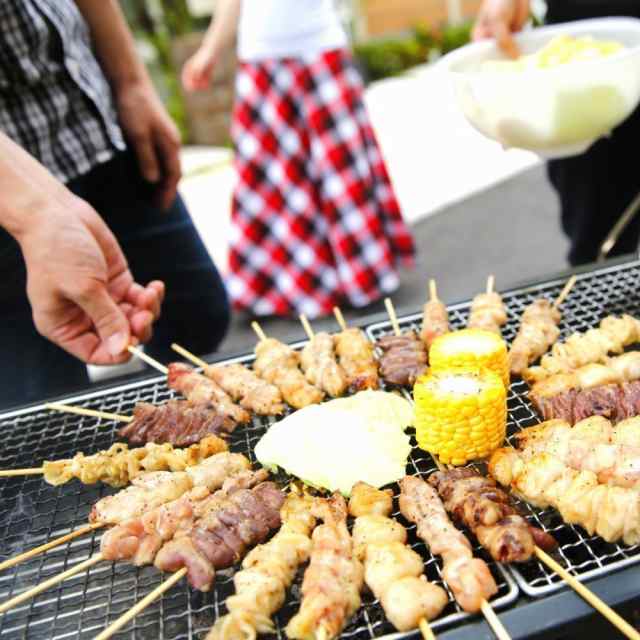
95	123
315	219
594	188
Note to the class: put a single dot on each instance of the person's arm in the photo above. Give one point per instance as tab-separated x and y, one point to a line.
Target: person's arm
197	72
499	19
142	116
81	291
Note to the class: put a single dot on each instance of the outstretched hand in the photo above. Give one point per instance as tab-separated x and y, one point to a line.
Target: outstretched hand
198	70
499	19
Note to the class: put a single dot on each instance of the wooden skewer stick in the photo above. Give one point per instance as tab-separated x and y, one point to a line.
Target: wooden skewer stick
43	586
425	630
81	411
258	331
392	316
565	292
617	621
148	359
433	290
190	356
306	326
49	545
9	473
491	281
140	606
339	318
494	622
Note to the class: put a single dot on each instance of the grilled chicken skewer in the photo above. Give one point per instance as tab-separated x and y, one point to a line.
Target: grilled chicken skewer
318	361
277	363
487	310
267	572
392	570
333	580
593	346
435	317
242	385
468	578
477	503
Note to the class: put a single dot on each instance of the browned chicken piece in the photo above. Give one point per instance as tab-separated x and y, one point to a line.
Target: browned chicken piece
477	503
538	331
333	580
487	312
435	321
356	357
404	359
468	578
318	361
392	570
277	363
199	389
245	387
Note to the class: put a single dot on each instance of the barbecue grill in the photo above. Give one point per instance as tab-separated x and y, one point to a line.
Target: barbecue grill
32	512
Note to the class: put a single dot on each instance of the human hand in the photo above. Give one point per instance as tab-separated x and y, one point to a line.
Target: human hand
499	19
82	294
154	136
197	71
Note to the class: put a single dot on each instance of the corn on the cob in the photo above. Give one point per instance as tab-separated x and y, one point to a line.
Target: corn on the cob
470	349
460	415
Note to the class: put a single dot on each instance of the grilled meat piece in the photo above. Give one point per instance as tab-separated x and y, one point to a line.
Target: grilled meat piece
435	321
222	534
318	361
404	359
177	422
246	388
357	359
199	389
469	578
277	363
479	504
487	312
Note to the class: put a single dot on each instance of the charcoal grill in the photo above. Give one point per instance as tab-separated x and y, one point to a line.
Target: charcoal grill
32	512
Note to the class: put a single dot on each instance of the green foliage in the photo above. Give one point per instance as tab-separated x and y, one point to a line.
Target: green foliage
454	36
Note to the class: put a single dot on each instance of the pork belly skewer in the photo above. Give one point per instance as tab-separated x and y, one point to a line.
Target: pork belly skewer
333	580
404	356
176	422
435	317
318	361
242	384
267	572
277	363
480	505
538	331
356	356
593	346
487	310
392	570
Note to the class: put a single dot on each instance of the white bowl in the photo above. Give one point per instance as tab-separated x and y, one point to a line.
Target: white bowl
554	112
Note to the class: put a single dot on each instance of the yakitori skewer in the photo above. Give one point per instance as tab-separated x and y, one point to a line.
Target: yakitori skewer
435	317
487	310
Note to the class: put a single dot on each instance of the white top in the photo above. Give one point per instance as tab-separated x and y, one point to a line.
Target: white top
288	28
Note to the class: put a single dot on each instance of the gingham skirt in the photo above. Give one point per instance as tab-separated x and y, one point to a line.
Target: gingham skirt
315	222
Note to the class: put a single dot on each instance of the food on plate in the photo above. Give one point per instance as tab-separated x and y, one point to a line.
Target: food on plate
404	359
477	503
118	465
460	415
318	361
470	348
581	348
469	578
332	581
357	359
340	442
392	570
487	312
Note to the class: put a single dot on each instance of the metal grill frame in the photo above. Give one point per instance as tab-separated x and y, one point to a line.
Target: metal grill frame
582	555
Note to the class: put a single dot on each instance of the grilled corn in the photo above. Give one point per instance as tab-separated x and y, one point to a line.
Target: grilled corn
460	415
470	348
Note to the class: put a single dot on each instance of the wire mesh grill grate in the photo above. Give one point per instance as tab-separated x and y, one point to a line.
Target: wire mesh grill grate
595	295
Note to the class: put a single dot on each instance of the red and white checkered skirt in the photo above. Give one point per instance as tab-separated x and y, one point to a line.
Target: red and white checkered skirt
315	222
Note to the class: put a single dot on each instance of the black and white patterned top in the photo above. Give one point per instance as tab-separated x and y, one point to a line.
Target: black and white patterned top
54	99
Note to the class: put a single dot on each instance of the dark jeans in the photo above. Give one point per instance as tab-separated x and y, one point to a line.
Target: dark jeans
596	187
158	245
